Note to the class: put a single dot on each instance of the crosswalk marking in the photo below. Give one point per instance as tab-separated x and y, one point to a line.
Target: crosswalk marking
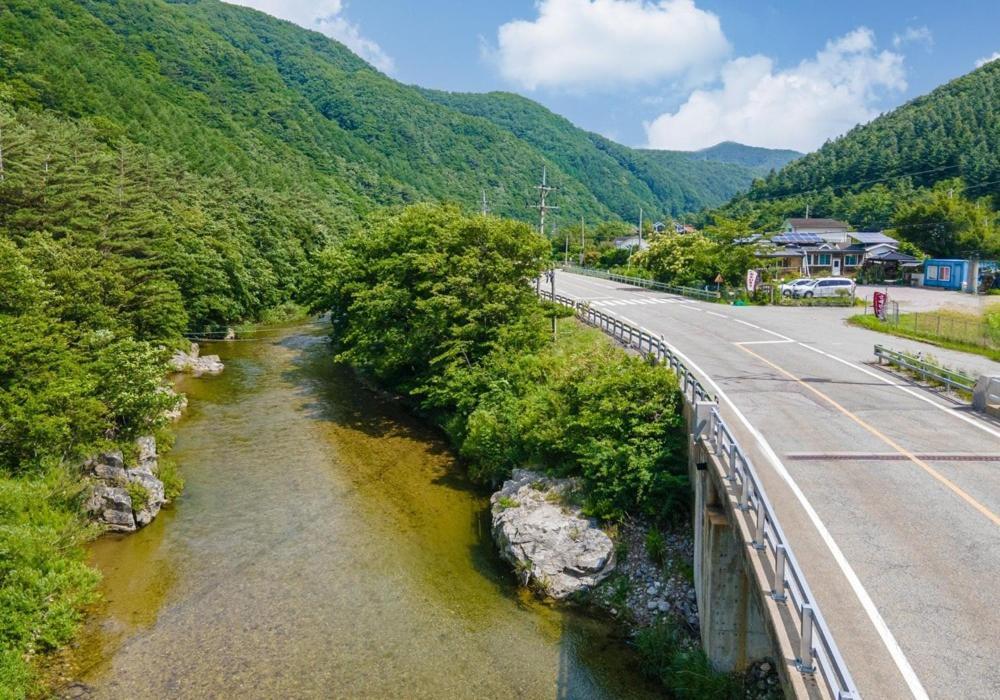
634	302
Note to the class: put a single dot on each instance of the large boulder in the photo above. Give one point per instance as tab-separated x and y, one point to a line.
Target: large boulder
552	546
125	497
111	506
194	363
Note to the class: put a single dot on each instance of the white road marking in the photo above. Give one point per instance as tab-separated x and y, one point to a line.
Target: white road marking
906	390
764	342
895	651
712	313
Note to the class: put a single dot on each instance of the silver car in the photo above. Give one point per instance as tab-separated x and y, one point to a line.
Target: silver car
788	288
825	287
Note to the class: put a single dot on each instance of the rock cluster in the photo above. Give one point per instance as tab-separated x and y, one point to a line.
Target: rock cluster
195	363
656	590
552	546
761	682
125	498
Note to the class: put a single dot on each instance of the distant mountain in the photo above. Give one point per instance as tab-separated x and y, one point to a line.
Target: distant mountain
623	179
761	160
226	89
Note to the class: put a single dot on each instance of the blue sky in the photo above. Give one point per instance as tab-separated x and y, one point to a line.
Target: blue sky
672	73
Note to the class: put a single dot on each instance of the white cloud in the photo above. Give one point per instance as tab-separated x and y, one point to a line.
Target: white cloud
579	44
914	35
326	16
987	59
797	108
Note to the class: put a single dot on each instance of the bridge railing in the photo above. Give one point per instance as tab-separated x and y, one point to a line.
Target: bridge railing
817	652
693	292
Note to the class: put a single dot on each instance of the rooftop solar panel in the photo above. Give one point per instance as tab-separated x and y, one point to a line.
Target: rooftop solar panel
871	237
797	239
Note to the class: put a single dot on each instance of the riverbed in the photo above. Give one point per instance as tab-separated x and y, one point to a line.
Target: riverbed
327	545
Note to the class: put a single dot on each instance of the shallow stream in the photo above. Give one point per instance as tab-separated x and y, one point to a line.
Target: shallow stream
326	546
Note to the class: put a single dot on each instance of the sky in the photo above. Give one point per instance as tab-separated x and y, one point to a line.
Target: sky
673	74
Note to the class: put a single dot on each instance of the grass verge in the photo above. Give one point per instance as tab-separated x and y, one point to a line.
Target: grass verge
904	331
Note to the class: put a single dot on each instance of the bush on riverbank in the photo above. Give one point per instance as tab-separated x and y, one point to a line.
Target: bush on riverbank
440	306
671	657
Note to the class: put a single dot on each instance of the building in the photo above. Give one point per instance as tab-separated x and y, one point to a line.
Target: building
830	230
945	273
631	242
836	253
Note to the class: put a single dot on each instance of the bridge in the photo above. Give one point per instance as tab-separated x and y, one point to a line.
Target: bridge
846	520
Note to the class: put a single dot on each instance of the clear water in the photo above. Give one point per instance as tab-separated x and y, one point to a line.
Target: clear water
326	546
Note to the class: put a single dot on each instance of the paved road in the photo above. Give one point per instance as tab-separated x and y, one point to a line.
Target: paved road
889	494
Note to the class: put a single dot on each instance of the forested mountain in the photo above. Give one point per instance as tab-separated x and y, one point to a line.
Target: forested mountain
929	170
225	89
623	179
761	160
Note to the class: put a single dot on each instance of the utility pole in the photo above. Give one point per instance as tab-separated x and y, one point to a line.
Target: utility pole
486	209
566	254
807	211
555	319
1	154
543	191
583	240
640	229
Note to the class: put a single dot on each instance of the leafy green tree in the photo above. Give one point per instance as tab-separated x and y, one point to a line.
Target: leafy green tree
416	292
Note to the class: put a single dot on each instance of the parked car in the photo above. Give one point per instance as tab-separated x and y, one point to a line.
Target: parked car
788	288
826	287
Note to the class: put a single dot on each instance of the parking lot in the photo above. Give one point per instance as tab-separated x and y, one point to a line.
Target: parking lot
927	299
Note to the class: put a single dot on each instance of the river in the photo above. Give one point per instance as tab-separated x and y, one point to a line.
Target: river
326	546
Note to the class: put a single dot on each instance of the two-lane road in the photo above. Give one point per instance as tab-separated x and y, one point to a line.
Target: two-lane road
889	494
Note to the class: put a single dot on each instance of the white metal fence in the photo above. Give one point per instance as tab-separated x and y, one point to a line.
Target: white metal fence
817	652
693	292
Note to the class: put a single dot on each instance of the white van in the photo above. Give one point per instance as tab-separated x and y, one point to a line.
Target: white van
825	287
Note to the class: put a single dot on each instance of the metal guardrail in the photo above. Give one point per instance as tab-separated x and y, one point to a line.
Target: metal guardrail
927	370
692	292
638	339
817	652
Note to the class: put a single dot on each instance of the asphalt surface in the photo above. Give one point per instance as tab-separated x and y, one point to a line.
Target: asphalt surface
888	492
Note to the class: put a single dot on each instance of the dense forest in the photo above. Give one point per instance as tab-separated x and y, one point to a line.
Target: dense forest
929	170
623	179
225	89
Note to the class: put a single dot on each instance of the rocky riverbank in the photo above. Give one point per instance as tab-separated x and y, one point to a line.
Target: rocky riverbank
193	362
124	497
553	547
639	574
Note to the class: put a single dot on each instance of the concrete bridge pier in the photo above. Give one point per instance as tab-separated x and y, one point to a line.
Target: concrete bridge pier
733	630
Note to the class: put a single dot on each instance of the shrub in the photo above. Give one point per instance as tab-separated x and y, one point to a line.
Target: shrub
675	660
655	546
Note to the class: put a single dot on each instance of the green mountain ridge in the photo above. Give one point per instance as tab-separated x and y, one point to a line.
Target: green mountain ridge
760	159
228	90
928	170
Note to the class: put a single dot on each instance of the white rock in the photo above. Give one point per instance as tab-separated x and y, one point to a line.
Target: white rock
195	364
550	544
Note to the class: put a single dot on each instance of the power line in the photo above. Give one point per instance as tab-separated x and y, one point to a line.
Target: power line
859	183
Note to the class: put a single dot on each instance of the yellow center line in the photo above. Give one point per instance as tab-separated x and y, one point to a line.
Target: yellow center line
887	440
